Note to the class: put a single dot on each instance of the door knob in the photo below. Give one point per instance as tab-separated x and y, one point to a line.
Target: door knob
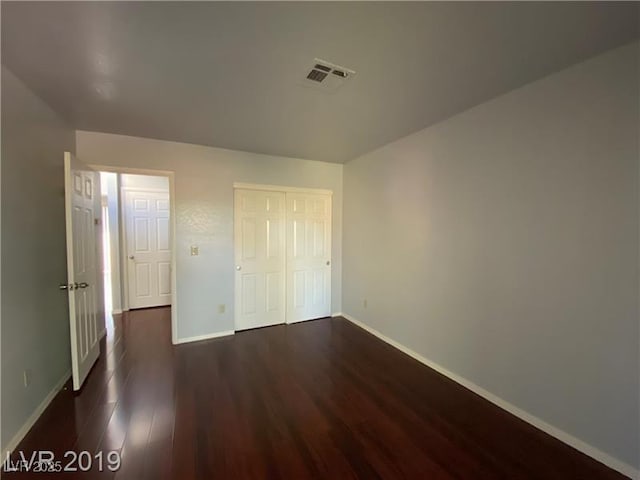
82	285
238	267
131	257
64	286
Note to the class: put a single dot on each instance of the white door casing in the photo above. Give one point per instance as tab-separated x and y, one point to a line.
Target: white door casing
148	247
81	187
308	247
259	258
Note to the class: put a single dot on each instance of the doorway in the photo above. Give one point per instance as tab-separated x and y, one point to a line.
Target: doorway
137	241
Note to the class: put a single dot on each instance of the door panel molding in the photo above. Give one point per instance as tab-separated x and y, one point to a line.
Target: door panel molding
82	214
144	246
259	258
305	243
308	237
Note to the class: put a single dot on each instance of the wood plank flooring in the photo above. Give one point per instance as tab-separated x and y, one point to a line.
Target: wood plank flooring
320	399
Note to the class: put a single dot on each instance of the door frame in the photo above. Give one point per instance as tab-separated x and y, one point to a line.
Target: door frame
280	188
284	189
172	227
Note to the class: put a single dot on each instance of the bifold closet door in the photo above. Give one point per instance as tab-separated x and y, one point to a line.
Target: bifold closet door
308	256
260	258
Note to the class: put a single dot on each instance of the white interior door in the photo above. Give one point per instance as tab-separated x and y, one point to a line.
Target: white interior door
148	248
308	256
81	188
260	258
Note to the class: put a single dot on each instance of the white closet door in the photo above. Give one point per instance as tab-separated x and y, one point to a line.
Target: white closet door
260	258
308	256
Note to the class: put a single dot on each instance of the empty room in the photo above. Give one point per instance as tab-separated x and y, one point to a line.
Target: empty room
328	240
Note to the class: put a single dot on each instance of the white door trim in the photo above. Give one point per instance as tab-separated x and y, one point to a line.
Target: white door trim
133	171
279	188
172	222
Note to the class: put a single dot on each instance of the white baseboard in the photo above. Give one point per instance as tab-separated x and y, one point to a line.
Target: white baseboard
337	314
33	418
561	435
293	322
208	336
116	312
312	319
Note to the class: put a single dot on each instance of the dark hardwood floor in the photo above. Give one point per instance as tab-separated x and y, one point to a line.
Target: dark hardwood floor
321	399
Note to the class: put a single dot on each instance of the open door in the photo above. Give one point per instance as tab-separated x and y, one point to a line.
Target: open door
81	188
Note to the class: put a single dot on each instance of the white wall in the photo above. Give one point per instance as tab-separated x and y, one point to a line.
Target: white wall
35	325
144	181
506	248
204	178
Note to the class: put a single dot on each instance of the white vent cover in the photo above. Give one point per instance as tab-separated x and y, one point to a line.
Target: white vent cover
326	76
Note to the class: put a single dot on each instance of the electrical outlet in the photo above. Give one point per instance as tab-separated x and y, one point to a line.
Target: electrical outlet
364	303
195	251
222	308
26	377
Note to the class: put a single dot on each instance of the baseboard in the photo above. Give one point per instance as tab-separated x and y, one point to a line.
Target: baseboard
333	315
33	418
208	336
338	314
116	312
293	322
561	435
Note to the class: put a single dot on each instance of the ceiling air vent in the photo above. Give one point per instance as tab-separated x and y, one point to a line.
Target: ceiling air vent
316	75
327	76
